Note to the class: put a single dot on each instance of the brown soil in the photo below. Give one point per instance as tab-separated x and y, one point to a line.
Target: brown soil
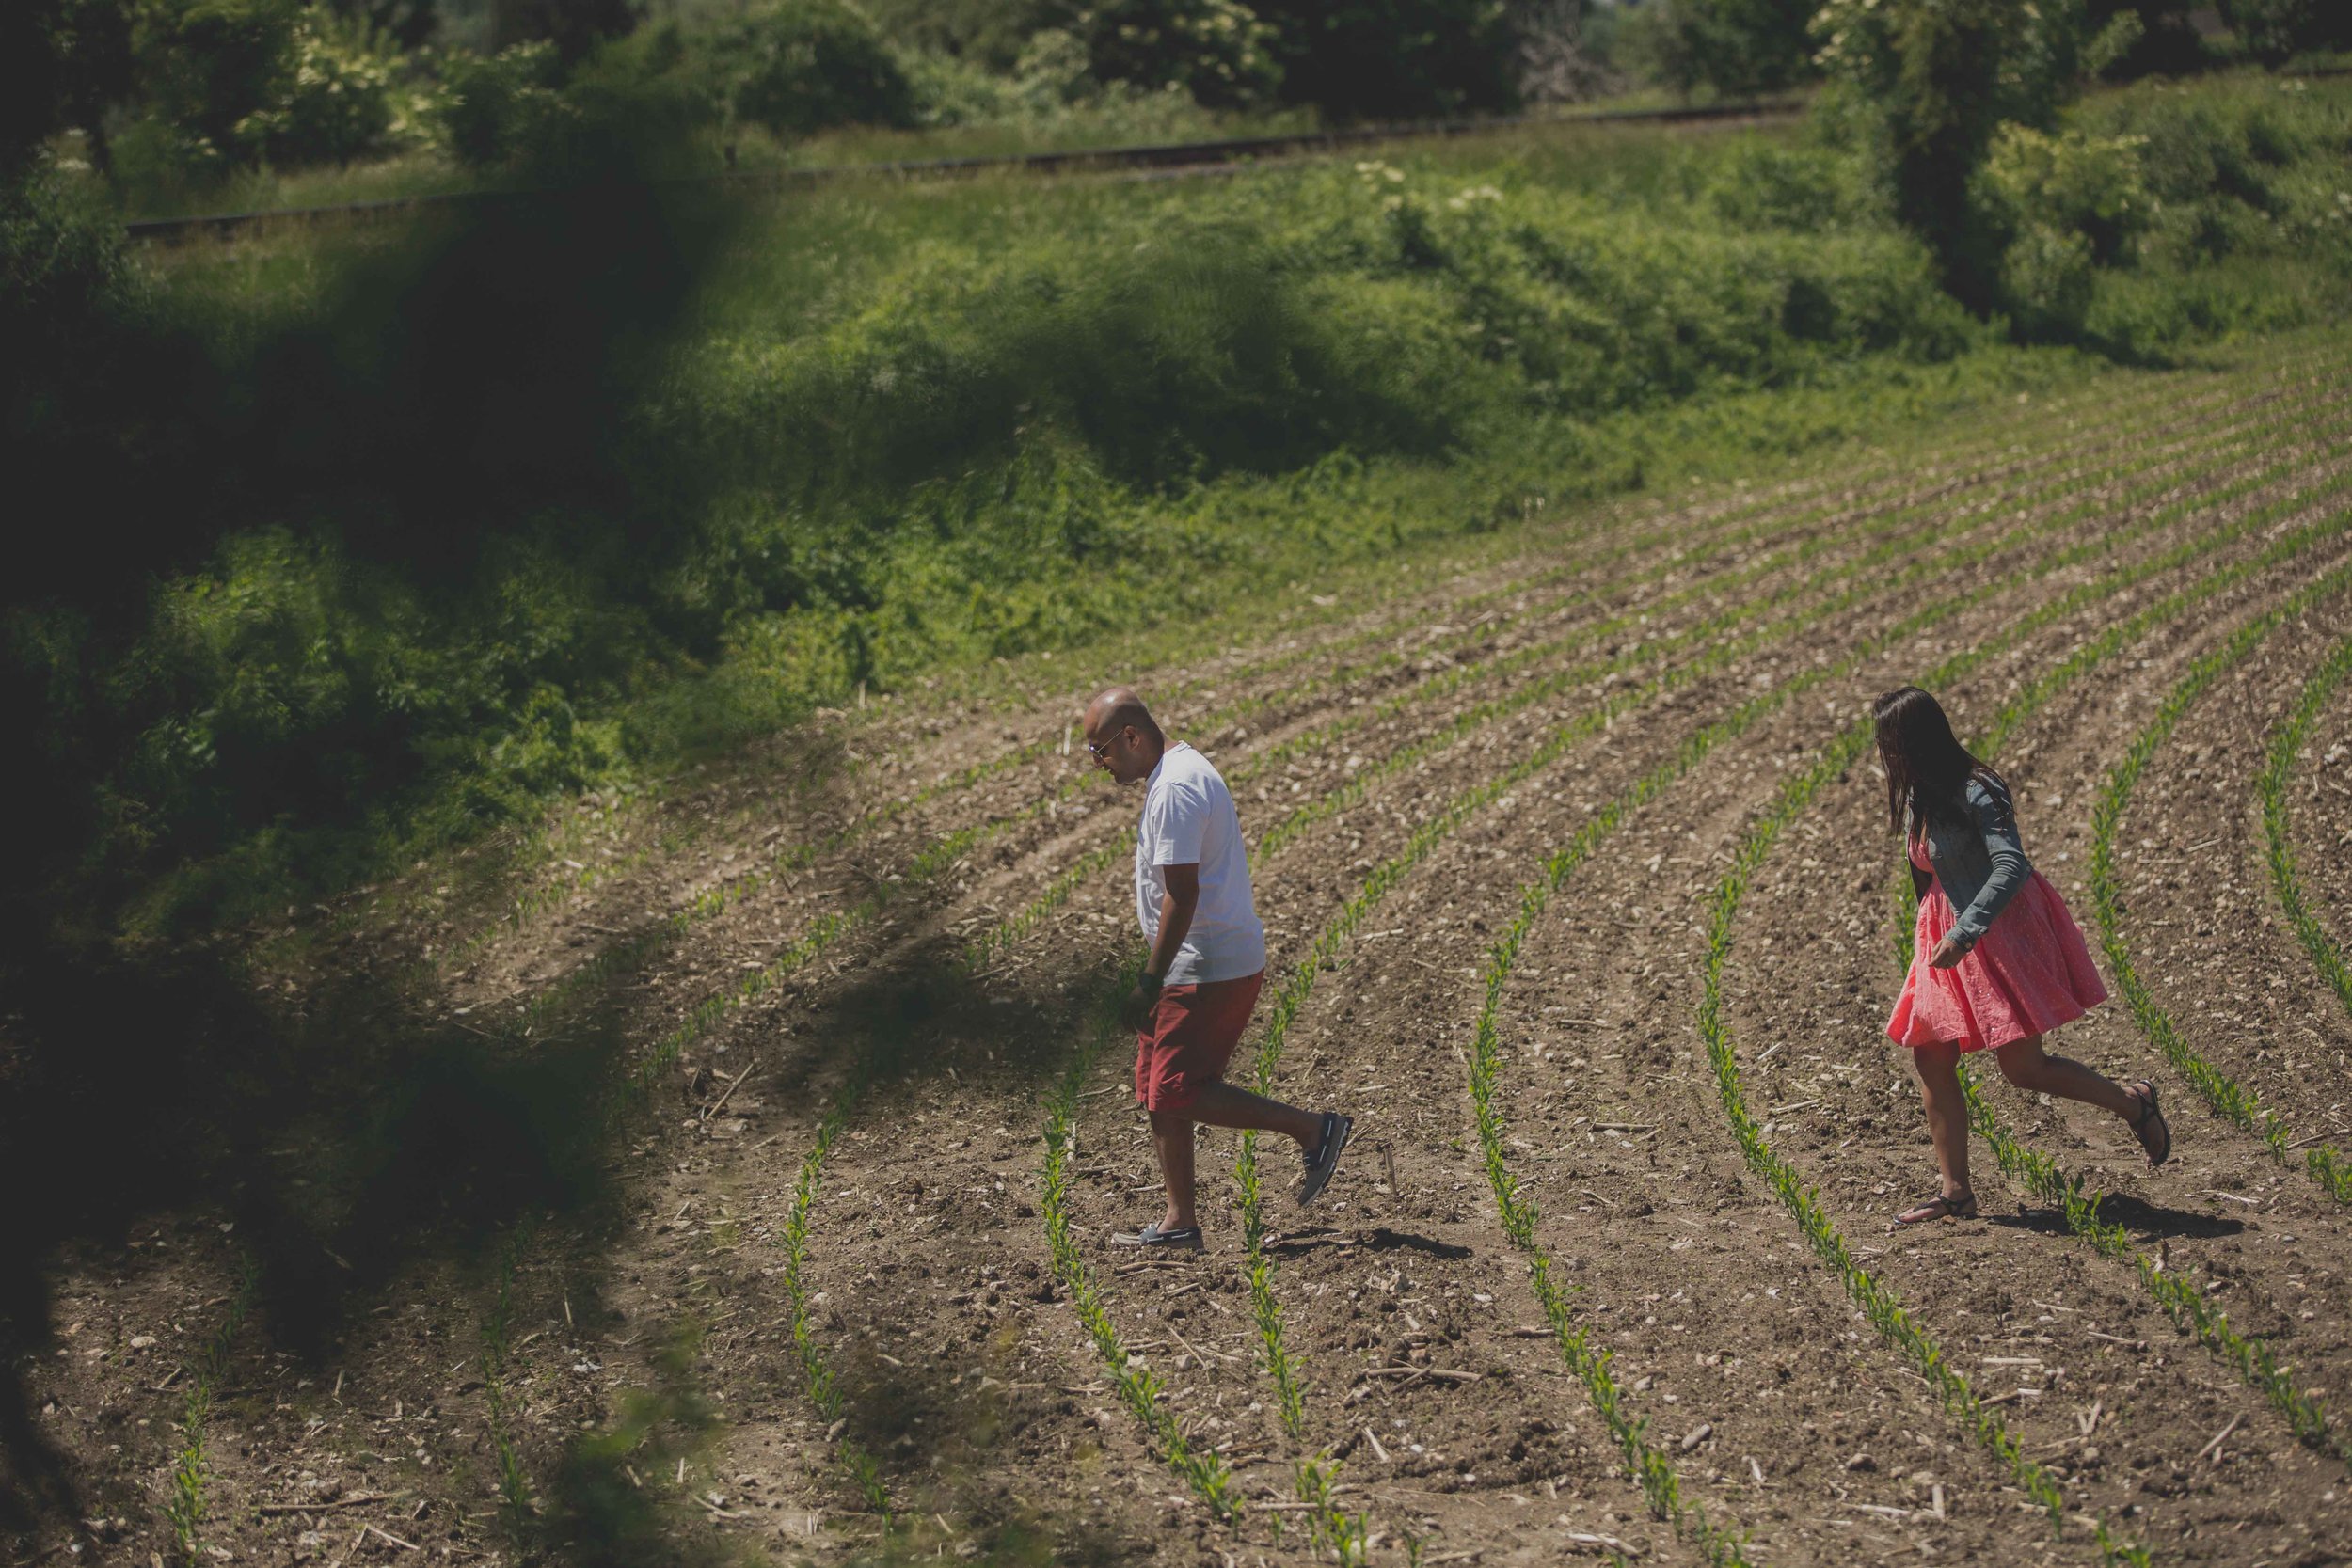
651	1382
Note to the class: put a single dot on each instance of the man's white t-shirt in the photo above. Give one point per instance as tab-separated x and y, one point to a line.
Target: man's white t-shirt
1188	819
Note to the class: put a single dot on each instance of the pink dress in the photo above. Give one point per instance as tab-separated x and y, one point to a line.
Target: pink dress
2030	973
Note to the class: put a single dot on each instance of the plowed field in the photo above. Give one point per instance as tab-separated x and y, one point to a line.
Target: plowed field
1575	874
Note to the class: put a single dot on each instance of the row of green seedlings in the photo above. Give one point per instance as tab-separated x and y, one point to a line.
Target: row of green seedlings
1058	891
1879	1303
1138	1388
2039	1175
2285	880
1202	1471
817	1378
184	1506
634	951
1649	1466
2230	1098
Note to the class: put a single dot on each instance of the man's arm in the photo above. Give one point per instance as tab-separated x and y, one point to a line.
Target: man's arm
1177	905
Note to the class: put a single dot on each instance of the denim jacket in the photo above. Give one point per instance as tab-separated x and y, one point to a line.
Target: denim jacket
1982	866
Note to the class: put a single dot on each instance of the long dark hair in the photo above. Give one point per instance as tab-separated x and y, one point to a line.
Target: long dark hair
1927	769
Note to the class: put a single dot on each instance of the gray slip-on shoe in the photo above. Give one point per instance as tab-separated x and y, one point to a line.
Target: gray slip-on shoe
1153	1237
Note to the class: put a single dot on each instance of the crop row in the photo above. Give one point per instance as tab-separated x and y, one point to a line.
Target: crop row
1139	1389
2285	747
184	1506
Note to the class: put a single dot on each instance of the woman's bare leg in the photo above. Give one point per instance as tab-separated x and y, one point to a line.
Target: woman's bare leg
2024	1063
1937	1069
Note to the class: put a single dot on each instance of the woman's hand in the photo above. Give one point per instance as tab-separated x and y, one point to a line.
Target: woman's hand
1947	953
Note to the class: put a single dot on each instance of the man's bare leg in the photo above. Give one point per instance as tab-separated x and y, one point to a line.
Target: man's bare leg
1218	1106
1171	1139
1223	1105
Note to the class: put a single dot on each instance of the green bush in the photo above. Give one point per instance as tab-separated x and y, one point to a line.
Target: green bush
2047	281
1931	83
498	107
345	98
64	286
1766	184
1218	51
805	64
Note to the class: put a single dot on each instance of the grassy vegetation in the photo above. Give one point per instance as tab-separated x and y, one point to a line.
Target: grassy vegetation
2286	749
184	1506
890	435
817	1378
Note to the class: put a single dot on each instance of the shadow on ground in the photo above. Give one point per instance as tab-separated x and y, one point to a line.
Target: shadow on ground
348	1140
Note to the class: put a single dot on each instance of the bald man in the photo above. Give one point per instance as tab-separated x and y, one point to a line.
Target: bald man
1206	965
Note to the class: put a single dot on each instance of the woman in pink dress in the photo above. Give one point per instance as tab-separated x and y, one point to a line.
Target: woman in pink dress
1996	962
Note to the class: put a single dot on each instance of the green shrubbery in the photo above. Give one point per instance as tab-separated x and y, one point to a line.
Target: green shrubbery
808	65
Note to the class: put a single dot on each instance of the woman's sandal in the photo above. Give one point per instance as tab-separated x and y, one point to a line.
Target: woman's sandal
1938	1208
2149	1126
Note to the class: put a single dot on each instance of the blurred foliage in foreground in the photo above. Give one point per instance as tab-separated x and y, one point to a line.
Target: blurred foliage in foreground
355	549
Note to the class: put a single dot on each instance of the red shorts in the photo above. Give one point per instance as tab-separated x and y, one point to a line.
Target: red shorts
1189	1037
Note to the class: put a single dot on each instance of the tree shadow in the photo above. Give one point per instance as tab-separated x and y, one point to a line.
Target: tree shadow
349	1138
